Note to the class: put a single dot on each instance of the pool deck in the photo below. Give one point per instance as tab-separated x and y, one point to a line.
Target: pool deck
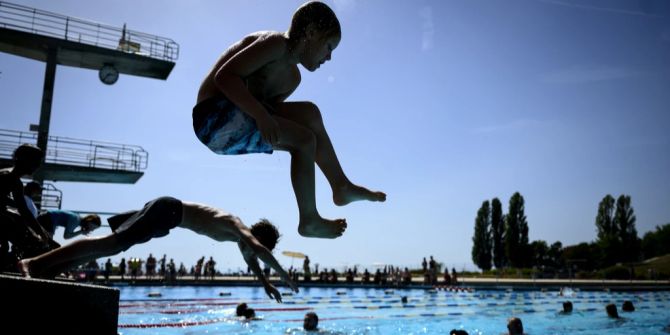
474	283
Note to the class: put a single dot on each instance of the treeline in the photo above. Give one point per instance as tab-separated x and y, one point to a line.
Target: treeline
501	240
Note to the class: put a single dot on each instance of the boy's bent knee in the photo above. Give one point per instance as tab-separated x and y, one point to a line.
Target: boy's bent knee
300	140
313	115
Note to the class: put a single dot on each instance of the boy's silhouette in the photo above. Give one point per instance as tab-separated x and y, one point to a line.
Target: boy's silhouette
156	219
242	109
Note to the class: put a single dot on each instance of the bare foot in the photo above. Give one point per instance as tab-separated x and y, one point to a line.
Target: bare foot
351	193
24	267
322	228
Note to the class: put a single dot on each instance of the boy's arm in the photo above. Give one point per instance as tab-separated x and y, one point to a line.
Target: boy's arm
74	222
266	256
229	79
70	232
252	262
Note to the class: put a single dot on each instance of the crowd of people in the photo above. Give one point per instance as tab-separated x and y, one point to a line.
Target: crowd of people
152	268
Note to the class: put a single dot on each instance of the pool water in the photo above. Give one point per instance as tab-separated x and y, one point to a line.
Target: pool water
203	310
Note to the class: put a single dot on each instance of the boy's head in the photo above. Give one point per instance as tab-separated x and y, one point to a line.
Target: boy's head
249	313
90	223
628	306
611	311
266	233
27	158
567	307
315	25
311	321
241	308
514	326
314	15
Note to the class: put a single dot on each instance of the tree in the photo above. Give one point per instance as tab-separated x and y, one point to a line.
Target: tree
481	240
516	233
604	220
656	243
608	234
624	221
497	234
581	257
555	255
540	253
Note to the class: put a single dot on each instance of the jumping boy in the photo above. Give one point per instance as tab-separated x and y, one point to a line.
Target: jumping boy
155	220
241	109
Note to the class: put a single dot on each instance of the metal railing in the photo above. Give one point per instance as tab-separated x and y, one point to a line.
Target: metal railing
51	197
35	21
86	153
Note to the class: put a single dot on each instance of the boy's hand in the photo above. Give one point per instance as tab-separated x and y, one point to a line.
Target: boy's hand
272	292
292	285
269	129
287	279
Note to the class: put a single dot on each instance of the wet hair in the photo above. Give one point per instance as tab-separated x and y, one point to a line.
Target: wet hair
567	307
92	219
241	308
311	321
266	233
627	306
317	13
458	332
515	326
249	313
611	311
28	153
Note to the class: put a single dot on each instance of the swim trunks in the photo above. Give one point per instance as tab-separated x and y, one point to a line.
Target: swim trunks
154	220
226	130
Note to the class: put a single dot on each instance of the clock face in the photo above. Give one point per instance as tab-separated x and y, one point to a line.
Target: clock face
108	74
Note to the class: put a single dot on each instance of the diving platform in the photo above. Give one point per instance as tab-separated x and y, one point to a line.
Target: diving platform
32	33
77	160
58	39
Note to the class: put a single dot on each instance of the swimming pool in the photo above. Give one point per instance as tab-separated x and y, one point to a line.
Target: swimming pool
202	310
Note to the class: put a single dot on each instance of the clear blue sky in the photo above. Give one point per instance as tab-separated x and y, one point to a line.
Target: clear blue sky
441	104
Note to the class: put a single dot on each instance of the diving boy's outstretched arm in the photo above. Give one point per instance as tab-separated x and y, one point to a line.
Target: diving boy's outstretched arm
251	249
251	261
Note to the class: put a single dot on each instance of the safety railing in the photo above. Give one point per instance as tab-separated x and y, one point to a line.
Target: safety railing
35	21
51	197
86	153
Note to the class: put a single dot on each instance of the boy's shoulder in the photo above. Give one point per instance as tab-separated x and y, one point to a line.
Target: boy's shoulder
274	39
267	34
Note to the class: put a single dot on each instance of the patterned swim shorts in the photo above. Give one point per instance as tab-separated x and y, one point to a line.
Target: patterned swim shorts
226	130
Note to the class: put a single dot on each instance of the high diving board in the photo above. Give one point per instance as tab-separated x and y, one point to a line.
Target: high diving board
31	33
58	39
